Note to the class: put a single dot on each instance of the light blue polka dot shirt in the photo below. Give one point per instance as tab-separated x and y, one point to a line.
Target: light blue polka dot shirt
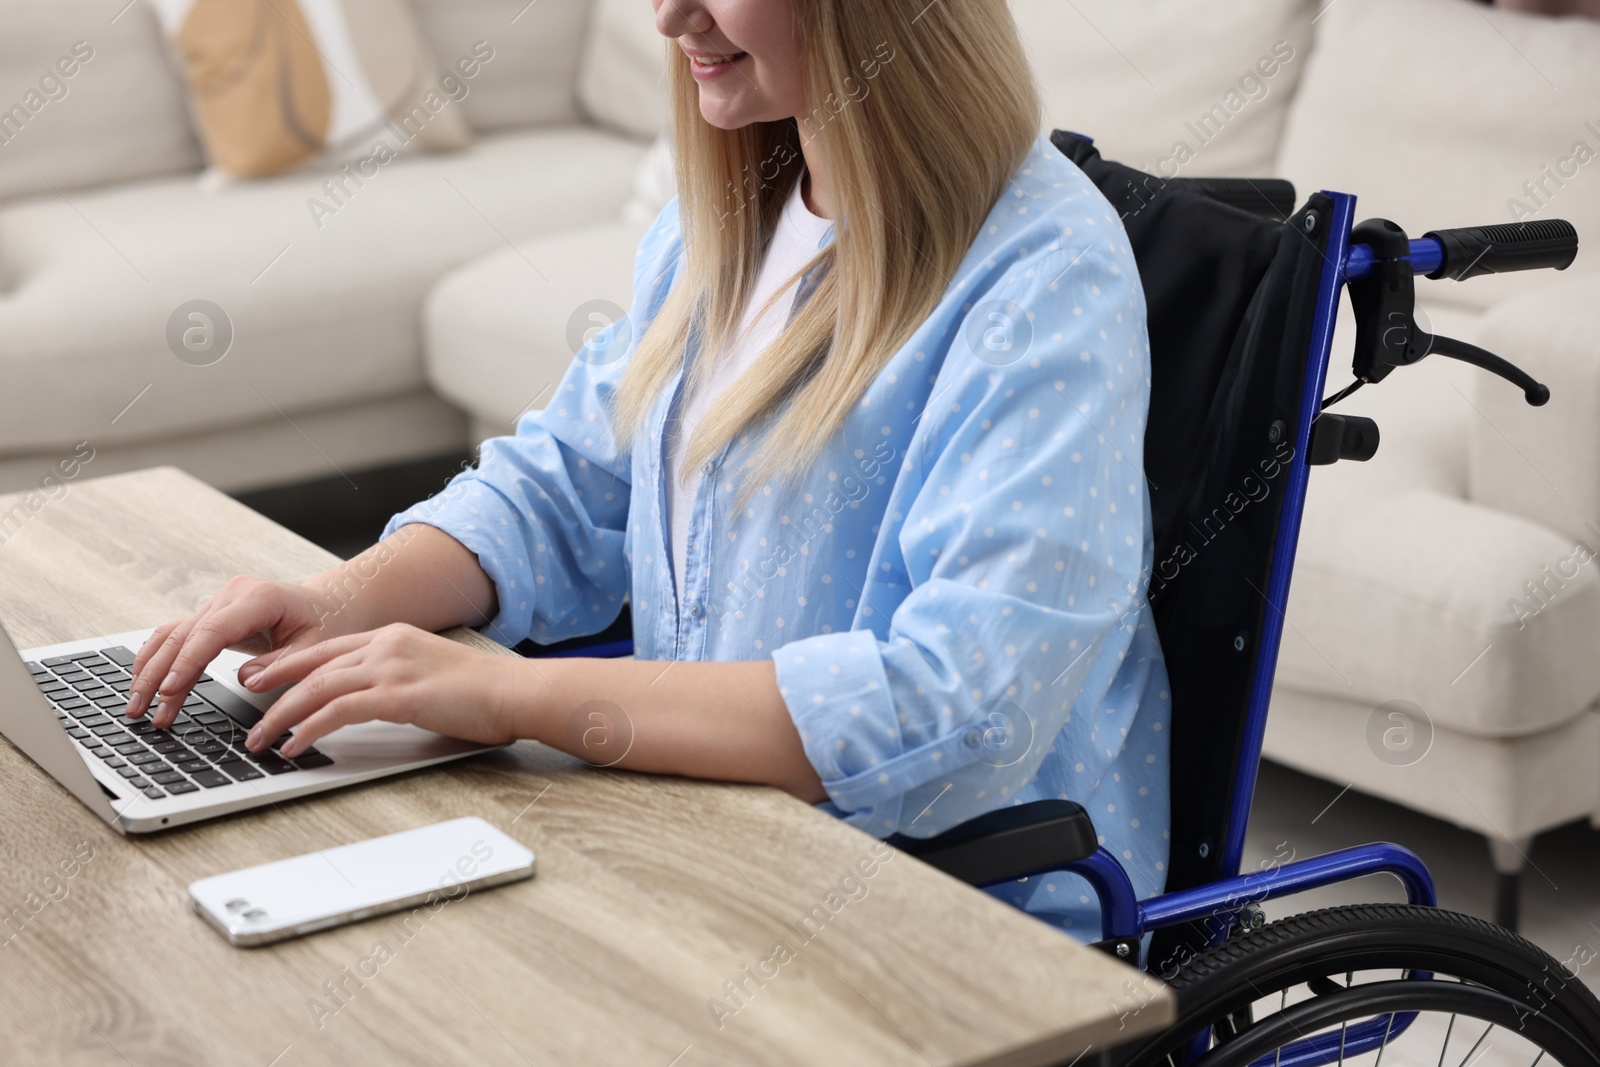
951	595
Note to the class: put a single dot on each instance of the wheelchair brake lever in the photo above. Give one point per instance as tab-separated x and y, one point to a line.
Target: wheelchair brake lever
1536	393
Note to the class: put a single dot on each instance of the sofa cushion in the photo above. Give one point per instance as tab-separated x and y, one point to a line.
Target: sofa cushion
87	99
498	337
495	352
1404	590
1502	788
1544	462
1440	113
622	82
323	306
1411	596
272	450
1196	87
532	77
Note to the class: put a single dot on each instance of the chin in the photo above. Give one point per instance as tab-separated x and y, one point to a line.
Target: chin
724	119
733	113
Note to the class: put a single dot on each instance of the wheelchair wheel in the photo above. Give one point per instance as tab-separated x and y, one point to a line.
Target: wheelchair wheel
1396	984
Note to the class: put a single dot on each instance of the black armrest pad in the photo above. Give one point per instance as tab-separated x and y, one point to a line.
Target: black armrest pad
1008	843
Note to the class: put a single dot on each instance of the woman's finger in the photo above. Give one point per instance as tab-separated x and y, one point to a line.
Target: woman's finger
141	691
295	665
248	670
324	685
157	637
158	656
255	665
217	630
361	706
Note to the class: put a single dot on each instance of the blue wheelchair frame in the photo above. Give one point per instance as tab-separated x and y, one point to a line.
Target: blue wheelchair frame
1123	916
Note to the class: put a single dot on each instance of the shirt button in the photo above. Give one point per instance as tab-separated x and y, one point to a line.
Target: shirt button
972	738
696	610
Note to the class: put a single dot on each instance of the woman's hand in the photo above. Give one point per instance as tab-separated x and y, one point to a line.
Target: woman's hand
396	673
250	614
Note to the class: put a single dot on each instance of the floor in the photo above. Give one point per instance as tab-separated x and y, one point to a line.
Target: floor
1560	888
345	517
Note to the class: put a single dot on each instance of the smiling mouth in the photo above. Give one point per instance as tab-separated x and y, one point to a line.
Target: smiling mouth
717	62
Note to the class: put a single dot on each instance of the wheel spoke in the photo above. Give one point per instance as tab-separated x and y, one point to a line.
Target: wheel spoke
1283	1002
1475	1044
1349	978
1387	1028
1447	1031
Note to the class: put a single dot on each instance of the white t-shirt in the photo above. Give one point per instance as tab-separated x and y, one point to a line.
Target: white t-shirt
799	236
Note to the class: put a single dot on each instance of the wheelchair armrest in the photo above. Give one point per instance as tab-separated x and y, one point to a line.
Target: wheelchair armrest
1008	843
600	650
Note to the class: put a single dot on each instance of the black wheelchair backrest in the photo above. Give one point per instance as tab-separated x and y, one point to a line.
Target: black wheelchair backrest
1230	294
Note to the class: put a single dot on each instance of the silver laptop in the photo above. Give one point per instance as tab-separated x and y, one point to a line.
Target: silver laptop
63	705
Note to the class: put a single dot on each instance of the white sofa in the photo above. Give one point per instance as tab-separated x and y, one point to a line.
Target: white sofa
106	227
1434	112
1439	113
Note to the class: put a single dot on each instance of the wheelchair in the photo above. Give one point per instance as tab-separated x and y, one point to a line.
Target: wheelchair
1242	291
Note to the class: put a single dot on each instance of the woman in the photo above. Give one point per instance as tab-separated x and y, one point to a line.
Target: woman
889	529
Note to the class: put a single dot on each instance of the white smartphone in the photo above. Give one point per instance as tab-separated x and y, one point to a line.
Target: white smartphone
429	866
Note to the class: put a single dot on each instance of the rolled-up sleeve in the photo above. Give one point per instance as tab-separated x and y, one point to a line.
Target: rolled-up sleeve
546	509
1012	590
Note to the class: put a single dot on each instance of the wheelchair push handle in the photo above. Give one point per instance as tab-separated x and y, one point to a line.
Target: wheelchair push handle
1380	268
1471	251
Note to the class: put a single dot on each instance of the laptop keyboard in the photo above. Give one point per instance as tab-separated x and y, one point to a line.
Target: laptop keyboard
203	748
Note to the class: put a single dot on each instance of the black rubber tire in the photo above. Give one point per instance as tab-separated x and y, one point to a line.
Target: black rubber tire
1331	942
1377	999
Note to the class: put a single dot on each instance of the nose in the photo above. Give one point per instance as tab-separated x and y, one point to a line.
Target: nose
674	18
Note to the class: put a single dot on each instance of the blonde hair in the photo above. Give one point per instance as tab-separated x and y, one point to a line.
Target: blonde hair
923	121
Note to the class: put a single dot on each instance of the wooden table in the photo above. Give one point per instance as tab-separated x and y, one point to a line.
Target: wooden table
653	894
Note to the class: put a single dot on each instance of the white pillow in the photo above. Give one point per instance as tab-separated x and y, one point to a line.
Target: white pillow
622	82
1175	87
86	100
533	78
1438	113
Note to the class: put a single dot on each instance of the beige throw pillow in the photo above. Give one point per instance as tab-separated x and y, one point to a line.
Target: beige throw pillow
275	84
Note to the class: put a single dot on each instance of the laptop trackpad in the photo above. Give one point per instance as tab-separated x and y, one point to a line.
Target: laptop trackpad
375	744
